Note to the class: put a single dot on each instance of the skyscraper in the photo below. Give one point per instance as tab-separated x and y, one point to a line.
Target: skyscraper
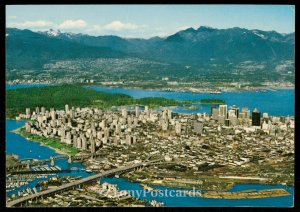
137	111
255	117
198	127
67	108
223	110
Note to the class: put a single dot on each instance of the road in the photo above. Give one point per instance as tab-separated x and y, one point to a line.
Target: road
79	182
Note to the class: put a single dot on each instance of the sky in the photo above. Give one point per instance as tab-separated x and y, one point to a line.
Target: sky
145	21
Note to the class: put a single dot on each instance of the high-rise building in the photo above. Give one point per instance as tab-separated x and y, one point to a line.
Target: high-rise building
93	146
255	117
246	111
178	128
236	110
170	114
227	121
124	113
223	110
137	111
67	108
37	110
28	113
198	127
215	113
53	115
211	109
43	110
221	119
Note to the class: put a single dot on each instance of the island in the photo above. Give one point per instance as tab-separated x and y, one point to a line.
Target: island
212	101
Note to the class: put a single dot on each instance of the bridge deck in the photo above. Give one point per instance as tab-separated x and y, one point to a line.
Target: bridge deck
78	182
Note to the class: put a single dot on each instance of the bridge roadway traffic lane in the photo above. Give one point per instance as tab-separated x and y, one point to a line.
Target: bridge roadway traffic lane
78	182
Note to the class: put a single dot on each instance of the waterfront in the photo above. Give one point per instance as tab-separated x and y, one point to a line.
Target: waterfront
271	100
18	145
277	103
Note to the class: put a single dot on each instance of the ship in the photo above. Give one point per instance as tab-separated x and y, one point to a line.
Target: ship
88	170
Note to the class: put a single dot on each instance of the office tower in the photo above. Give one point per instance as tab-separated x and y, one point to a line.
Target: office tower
118	129
215	113
227	122
83	144
164	125
170	114
211	109
67	108
255	117
236	110
37	110
43	110
135	122
137	111
198	127
28	113
233	120
221	119
129	121
124	113
78	143
103	123
231	113
53	115
72	115
27	127
128	139
246	111
75	141
106	132
223	110
164	115
93	148
178	128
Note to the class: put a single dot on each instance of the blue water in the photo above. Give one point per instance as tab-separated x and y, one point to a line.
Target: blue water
16	144
175	201
277	103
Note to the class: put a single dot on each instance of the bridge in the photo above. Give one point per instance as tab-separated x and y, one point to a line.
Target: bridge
78	183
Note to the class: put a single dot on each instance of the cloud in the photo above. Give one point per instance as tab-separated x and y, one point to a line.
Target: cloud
12	17
31	24
116	26
73	24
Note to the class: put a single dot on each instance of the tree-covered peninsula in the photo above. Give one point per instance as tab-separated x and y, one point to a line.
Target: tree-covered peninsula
74	95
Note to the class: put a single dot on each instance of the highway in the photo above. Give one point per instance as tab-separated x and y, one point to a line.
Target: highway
79	182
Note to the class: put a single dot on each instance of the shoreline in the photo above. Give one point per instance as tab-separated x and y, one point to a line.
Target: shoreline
17	131
179	89
196	90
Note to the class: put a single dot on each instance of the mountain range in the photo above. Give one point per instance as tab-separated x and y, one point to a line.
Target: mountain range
31	50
